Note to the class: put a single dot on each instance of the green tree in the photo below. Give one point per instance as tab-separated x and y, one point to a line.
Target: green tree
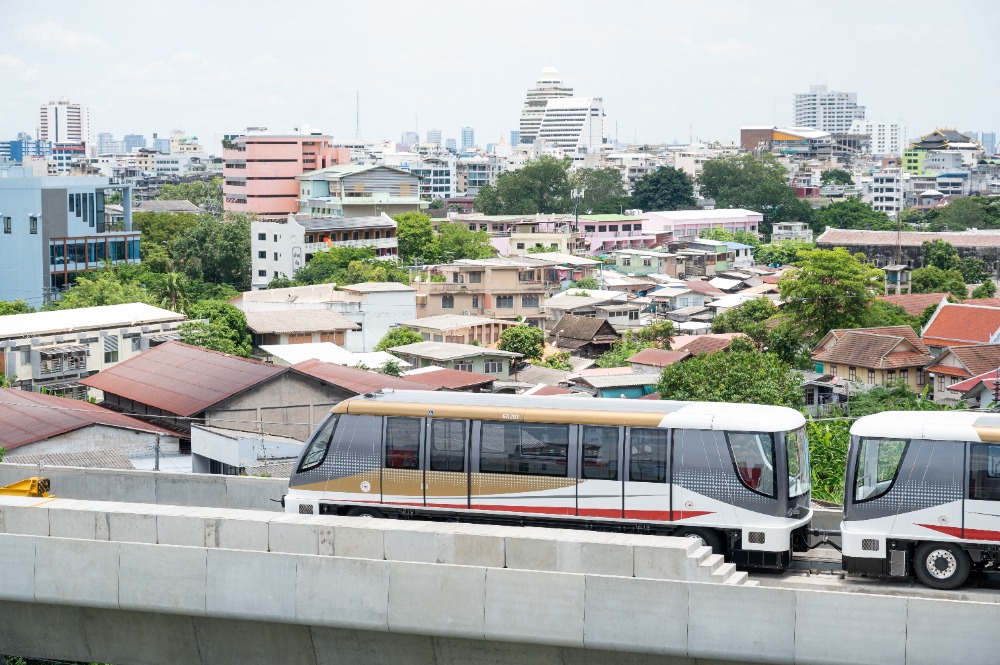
398	337
160	230
741	375
604	191
173	292
658	335
828	288
743	317
527	340
586	283
102	287
281	283
15	307
781	253
881	313
836	177
558	361
985	290
621	350
391	368
541	186
725	235
743	181
216	250
224	328
665	188
455	241
966	213
932	279
973	270
853	213
324	266
207	194
940	254
416	237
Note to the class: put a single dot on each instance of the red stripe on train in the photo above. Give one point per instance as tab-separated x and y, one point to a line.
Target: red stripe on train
969	534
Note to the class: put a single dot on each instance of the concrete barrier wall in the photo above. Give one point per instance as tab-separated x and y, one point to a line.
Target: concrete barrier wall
181	489
482	604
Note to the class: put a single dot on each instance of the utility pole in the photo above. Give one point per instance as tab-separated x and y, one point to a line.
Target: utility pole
156	449
996	392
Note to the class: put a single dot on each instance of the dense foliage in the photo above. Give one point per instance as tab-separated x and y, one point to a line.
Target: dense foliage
218	326
398	337
781	253
853	213
657	335
541	186
603	191
665	188
206	194
15	307
527	340
740	375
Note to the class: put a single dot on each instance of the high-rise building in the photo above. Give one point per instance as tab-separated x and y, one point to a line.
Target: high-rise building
886	138
468	138
63	121
548	86
410	138
104	141
450	144
434	136
515	137
989	141
827	110
161	145
134	141
575	124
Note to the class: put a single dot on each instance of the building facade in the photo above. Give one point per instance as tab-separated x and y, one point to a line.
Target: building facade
359	191
468	138
827	110
574	124
886	138
548	86
63	121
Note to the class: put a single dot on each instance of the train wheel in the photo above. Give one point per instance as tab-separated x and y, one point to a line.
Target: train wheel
941	565
710	537
366	512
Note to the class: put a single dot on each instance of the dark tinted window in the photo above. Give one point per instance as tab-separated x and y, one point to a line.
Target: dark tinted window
753	456
319	444
524	448
448	445
648	459
402	443
984	472
600	453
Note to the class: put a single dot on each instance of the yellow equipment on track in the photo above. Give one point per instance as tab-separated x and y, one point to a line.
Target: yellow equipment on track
30	487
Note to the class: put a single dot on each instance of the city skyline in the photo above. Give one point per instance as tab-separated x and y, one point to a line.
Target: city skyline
709	69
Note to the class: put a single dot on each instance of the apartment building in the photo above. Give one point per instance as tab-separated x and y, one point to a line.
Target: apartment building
501	288
63	121
260	171
886	193
350	190
827	110
677	225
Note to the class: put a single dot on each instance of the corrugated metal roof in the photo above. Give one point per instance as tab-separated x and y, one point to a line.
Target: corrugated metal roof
453	379
355	380
449	351
84	318
297	321
181	379
621	380
29	417
90	459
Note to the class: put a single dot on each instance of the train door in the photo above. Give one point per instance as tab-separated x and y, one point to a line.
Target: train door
402	472
982	505
646	490
446	462
599	492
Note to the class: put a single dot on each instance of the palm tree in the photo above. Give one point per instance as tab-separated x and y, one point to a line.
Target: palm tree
175	297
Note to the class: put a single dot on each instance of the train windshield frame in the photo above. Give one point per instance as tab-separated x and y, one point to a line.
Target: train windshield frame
799	470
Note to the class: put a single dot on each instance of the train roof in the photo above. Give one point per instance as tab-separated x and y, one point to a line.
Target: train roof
935	425
585	411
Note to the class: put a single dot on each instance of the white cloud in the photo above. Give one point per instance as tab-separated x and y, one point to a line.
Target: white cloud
53	37
16	68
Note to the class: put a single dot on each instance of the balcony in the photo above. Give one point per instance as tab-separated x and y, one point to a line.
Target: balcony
377	243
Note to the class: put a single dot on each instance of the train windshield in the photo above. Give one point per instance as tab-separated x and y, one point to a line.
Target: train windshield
797	449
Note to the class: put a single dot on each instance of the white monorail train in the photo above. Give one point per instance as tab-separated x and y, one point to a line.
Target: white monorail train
923	494
736	475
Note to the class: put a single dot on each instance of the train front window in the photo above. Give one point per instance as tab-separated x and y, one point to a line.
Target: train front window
878	463
798	462
753	457
320	443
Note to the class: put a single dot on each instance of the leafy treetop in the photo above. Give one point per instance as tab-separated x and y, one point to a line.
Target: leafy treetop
665	188
527	340
398	337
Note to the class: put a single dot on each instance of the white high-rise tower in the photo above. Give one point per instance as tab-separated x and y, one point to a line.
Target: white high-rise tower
828	111
63	121
548	86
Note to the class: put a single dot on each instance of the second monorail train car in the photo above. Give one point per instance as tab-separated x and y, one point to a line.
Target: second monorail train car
736	475
923	496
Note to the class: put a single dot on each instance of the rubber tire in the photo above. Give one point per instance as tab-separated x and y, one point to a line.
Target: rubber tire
962	565
710	537
366	512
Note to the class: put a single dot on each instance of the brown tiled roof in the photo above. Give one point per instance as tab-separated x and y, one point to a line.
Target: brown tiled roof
948	370
961	325
976	358
701	286
914	303
695	344
983	302
29	417
874	351
181	379
906	332
844	237
658	357
357	381
582	328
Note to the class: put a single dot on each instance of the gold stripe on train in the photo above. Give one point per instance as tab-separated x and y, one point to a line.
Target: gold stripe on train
988	434
523	414
407	482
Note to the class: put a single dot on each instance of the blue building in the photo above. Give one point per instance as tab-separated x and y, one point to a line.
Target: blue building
134	141
468	138
24	147
515	137
53	228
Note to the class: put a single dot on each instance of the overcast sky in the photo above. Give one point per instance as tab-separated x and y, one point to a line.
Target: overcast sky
667	70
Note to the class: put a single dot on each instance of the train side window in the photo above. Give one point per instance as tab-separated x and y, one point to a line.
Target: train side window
878	464
649	453
447	445
524	448
600	453
984	472
753	457
402	443
319	444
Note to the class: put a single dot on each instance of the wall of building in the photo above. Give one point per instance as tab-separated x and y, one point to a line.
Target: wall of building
915	378
97	437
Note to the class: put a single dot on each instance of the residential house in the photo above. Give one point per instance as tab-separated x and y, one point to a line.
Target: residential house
513	289
960	325
647	261
979	392
654	360
677	225
874	356
54	350
465	357
709	343
287	355
354	190
298	326
40	424
588	337
458	328
742	255
584	302
440	378
616	382
958	363
791	231
719	255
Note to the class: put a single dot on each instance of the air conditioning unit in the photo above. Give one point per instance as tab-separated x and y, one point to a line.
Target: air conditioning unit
465	313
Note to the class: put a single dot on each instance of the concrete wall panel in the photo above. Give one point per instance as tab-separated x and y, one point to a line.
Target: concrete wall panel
358	542
132	527
64	636
823	619
18	579
26	520
76	524
255	586
183	530
949	631
670	559
241	534
757	623
436	599
191	490
613	621
228	641
409	541
534	607
348	593
161	578
141	637
71	572
532	554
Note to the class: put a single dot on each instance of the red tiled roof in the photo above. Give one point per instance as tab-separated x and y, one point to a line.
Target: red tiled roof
181	379
865	349
906	332
695	344
975	359
553	391
914	303
453	379
969	384
847	237
651	396
357	381
983	302
947	370
28	417
961	325
658	357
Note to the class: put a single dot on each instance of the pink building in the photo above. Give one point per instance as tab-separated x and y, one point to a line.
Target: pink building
259	172
687	224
